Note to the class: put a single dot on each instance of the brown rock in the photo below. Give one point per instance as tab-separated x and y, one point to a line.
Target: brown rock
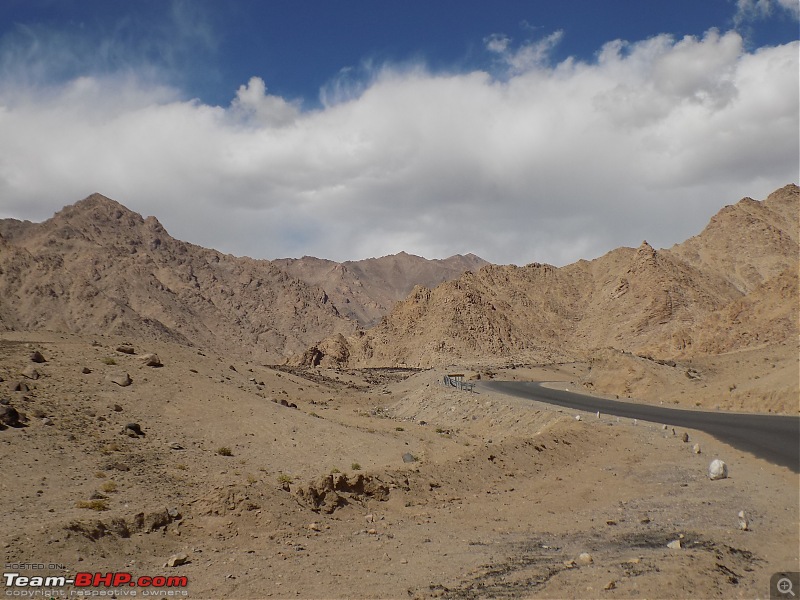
151	360
121	379
9	416
30	372
176	560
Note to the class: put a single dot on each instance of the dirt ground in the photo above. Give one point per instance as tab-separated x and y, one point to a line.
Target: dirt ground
380	484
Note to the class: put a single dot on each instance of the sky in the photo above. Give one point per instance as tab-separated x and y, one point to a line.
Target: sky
519	130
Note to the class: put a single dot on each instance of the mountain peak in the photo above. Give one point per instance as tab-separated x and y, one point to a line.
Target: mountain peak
645	250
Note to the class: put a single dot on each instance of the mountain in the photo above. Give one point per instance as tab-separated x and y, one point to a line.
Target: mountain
732	286
100	268
366	290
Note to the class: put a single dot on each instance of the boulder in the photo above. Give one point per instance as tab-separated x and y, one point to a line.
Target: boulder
30	372
717	470
133	430
176	560
121	379
151	360
126	349
9	416
37	357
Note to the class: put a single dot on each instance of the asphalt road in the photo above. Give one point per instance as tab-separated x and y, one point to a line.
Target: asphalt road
774	438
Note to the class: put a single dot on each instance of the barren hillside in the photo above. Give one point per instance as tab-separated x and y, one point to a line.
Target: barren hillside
698	297
97	267
366	290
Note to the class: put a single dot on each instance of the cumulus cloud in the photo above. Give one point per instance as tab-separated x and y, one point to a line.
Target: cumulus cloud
534	162
252	103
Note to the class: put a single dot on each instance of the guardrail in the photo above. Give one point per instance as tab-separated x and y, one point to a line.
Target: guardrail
457	381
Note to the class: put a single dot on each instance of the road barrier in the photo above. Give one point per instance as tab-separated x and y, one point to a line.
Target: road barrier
457	381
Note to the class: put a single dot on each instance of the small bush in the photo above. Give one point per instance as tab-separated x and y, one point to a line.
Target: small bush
100	474
355	466
108	361
92	504
224	451
251	479
335	470
110	448
109	486
285	478
181	466
399	429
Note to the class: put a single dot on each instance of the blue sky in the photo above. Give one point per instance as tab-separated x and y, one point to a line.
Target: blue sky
557	130
298	47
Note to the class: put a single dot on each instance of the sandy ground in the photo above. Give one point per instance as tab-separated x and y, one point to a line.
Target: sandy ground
501	499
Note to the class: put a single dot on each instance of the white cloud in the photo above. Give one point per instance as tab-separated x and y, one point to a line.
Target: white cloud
546	163
252	103
529	55
747	10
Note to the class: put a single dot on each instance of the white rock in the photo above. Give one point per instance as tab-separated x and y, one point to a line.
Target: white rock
743	524
717	470
577	417
674	545
696	449
585	558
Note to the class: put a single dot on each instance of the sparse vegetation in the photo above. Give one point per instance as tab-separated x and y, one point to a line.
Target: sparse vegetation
251	479
224	451
110	448
181	466
285	478
355	466
335	470
109	486
399	429
98	504
107	360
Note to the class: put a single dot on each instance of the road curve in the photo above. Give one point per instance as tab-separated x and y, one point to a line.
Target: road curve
775	438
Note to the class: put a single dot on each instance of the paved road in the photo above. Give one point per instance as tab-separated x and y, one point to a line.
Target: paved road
772	437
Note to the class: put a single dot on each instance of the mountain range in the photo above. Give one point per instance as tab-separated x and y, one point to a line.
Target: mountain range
733	286
97	267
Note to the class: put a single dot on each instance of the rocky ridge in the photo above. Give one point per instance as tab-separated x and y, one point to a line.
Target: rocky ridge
733	286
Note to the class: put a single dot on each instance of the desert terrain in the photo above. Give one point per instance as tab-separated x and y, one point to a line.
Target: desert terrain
170	410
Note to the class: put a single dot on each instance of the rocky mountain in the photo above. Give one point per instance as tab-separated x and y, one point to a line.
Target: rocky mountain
732	286
366	290
97	267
